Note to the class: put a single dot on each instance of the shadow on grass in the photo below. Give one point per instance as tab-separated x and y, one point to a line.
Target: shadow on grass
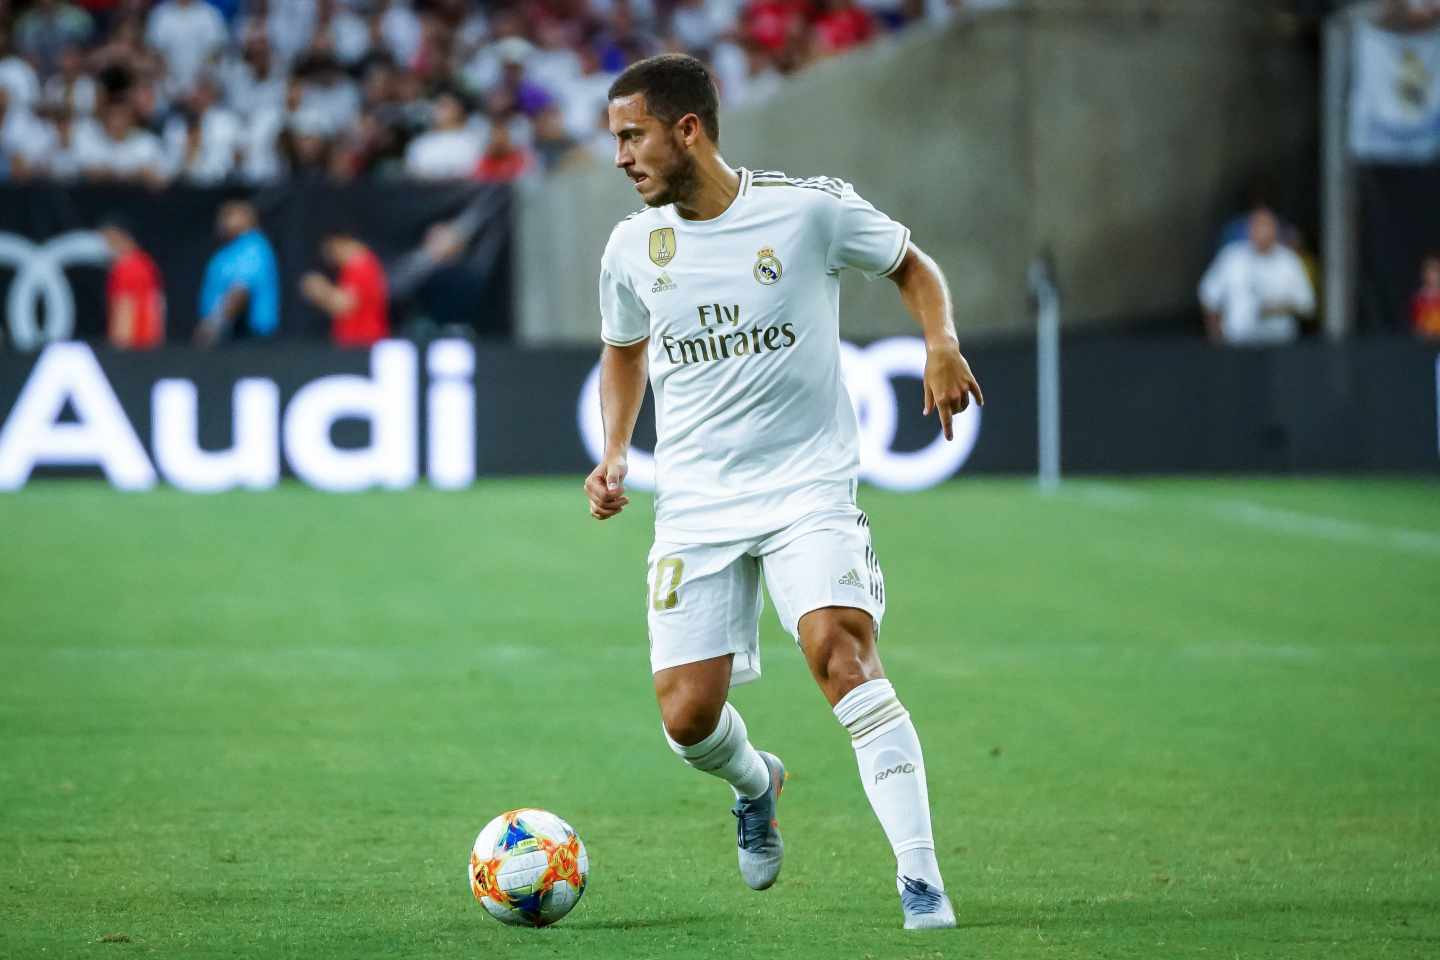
646	923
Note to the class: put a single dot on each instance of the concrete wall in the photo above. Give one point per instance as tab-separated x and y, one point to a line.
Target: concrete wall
1113	132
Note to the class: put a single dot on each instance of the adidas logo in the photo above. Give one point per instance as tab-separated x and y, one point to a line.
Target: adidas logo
852	579
663	283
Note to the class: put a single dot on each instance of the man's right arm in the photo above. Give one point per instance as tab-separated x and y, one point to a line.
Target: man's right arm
217	325
623	372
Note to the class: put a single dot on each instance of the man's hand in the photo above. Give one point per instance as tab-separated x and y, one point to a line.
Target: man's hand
605	487
315	287
949	384
207	333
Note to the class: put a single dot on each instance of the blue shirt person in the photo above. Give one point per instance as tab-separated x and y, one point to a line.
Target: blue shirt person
241	276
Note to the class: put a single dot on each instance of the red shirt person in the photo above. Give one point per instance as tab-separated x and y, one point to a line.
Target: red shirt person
359	303
134	296
1425	307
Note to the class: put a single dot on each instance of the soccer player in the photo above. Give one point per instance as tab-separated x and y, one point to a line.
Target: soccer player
725	290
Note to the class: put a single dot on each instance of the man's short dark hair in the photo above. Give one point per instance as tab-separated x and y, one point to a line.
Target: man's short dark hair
673	84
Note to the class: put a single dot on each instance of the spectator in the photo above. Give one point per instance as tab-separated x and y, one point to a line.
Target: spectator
398	29
840	26
503	160
47	29
17	77
71	88
203	140
119	150
307	145
1255	289
255	80
22	140
774	25
241	276
696	25
135	300
554	146
450	150
340	32
187	34
1425	306
358	305
58	157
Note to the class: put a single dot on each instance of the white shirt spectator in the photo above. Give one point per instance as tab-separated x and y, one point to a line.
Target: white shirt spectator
696	26
444	154
1244	286
55	156
221	138
187	33
401	30
260	152
17	77
245	93
339	102
581	99
79	97
137	154
289	27
350	36
22	135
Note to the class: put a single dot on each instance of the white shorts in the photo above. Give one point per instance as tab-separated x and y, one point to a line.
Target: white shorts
704	599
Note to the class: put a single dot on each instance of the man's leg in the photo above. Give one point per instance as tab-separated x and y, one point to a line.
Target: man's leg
705	729
704	635
839	645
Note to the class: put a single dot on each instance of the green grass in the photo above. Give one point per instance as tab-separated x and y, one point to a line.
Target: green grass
1161	719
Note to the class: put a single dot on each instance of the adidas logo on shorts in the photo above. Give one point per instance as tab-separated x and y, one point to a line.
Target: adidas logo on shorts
852	579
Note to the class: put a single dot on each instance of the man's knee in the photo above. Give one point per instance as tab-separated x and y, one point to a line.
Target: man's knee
688	721
840	646
692	697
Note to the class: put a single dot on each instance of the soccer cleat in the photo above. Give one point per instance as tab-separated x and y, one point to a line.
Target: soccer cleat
757	833
926	907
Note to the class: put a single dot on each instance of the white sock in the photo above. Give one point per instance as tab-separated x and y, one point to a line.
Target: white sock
892	770
727	754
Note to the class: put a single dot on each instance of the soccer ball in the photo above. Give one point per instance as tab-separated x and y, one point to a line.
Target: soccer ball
528	868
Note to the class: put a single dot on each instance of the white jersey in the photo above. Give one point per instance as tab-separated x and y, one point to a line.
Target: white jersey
754	428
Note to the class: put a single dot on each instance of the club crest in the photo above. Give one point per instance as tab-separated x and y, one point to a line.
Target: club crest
767	267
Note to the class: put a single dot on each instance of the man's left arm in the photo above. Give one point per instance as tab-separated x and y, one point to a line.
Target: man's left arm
333	299
949	383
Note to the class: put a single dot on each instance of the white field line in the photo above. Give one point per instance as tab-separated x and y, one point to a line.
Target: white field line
1326	528
1263	517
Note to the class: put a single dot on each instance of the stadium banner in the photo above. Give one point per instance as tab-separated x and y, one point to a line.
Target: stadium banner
53	263
1395	95
446	411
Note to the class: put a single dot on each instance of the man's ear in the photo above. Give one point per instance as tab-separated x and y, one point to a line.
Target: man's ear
689	129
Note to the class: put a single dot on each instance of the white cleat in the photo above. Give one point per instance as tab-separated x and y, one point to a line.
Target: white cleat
926	907
757	833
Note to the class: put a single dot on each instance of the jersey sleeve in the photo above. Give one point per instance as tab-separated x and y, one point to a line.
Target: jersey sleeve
865	238
624	319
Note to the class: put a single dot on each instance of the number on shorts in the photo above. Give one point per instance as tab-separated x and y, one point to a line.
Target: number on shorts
669	570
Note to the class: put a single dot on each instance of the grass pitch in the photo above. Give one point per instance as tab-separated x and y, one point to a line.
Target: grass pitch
1161	719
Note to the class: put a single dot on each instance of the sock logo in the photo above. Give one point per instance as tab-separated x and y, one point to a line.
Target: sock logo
891	771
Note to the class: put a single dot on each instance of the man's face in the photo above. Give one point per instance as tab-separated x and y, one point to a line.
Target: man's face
115	239
651	153
235	219
1431	273
117	121
1263	230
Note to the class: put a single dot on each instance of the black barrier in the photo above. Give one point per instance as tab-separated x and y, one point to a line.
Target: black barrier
52	269
446	411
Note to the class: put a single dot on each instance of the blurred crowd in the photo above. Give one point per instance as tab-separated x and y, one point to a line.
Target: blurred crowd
210	91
